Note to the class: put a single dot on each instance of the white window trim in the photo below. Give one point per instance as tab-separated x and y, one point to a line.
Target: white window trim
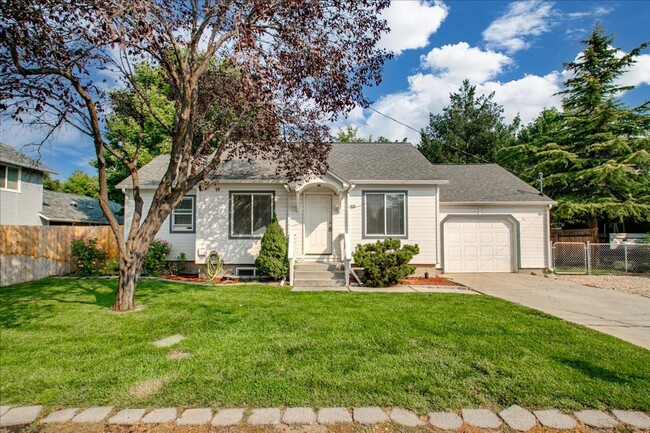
182	228
20	175
365	209
252	235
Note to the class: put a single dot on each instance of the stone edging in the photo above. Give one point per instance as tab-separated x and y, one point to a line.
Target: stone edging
516	417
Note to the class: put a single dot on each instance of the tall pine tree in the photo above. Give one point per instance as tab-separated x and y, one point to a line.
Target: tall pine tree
595	154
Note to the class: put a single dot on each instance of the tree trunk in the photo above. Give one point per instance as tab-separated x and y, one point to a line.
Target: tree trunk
127	282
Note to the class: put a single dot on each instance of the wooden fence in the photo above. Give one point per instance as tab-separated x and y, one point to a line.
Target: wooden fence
575	235
29	253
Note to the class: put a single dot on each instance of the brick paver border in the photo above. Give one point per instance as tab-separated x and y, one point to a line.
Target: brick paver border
516	417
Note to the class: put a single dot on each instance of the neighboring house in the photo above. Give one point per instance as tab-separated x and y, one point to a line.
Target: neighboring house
469	218
65	209
21	187
23	201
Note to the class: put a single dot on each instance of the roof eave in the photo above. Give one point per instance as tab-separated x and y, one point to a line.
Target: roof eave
399	182
494	202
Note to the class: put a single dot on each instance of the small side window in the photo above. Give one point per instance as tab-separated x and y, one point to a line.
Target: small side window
183	217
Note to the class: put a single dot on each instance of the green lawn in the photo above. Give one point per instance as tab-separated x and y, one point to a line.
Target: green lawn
257	345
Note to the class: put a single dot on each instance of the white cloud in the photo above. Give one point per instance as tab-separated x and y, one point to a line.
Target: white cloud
639	72
523	20
461	61
444	69
411	24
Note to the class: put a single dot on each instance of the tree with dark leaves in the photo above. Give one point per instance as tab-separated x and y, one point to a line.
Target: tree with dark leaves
247	78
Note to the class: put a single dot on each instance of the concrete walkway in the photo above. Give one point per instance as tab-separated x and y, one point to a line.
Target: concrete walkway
615	313
515	417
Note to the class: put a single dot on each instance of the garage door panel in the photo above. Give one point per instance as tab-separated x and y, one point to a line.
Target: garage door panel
478	245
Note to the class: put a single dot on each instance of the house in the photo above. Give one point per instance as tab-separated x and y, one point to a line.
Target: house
66	209
465	218
23	201
21	188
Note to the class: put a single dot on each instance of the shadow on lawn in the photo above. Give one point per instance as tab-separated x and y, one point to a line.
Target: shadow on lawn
597	372
21	304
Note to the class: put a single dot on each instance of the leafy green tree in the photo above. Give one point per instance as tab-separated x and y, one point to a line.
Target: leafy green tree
81	183
470	130
272	259
51	184
133	127
349	135
595	154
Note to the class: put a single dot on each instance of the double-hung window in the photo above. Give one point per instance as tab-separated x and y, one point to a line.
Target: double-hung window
9	178
385	214
183	216
250	213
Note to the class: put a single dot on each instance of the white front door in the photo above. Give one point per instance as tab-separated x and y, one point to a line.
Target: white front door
318	224
478	245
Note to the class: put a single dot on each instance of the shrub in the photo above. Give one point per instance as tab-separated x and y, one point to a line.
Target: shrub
385	262
111	267
178	265
272	259
156	258
87	257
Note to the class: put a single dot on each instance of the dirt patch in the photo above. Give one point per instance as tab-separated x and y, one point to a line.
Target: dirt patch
147	388
431	281
636	285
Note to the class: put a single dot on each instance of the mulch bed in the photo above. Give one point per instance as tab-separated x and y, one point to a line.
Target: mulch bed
431	281
196	279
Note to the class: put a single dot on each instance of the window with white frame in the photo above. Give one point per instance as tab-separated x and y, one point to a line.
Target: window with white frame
183	216
250	213
9	178
385	213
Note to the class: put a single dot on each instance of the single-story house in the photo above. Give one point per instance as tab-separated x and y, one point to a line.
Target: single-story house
21	187
66	209
465	218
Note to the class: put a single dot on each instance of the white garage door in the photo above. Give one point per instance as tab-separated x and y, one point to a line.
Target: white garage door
478	245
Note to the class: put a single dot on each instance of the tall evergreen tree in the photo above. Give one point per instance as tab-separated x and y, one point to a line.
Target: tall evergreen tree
595	155
471	129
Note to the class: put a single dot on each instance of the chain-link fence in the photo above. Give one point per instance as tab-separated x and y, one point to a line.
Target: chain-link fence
588	258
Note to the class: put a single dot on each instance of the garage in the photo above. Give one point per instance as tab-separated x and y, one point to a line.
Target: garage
478	244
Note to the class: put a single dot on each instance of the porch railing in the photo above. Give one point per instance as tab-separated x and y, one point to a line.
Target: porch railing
291	255
347	261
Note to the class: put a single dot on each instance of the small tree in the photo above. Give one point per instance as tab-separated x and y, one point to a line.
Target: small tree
385	262
272	259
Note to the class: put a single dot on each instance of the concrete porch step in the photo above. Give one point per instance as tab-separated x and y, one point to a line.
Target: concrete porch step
318	266
319	275
319	283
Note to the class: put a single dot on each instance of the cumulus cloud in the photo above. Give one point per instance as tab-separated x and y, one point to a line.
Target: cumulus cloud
412	23
639	72
461	61
522	21
443	70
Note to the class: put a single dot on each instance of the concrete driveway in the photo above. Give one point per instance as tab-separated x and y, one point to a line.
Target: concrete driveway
619	314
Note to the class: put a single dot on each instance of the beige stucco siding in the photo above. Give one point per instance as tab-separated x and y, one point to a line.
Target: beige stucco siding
23	207
532	228
180	242
421	218
212	225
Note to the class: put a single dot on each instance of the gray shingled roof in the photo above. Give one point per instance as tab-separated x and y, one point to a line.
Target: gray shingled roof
380	161
383	161
352	161
484	183
65	207
12	156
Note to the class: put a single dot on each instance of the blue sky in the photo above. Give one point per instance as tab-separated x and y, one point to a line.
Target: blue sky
514	49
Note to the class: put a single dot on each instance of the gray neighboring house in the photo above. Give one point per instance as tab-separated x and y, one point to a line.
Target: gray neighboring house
465	218
61	208
23	201
21	187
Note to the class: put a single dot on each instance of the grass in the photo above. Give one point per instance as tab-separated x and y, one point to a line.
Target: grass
256	345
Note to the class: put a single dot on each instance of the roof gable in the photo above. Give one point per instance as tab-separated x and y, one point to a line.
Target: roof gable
9	155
